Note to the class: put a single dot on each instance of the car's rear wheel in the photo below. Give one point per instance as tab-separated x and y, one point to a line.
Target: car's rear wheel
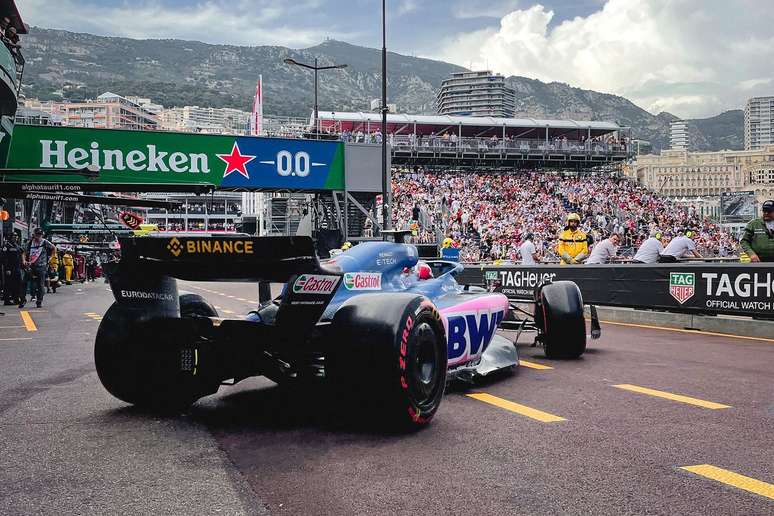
141	363
389	357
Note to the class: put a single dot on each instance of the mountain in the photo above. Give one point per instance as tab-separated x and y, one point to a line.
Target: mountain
70	65
75	66
558	100
724	131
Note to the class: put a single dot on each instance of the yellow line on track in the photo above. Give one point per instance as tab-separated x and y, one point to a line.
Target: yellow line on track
683	330
733	479
523	410
674	397
27	319
533	365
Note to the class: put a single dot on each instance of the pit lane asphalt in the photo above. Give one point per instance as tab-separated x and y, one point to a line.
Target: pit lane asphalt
68	447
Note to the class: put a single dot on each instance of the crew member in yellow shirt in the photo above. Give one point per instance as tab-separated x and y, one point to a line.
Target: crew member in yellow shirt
573	246
67	261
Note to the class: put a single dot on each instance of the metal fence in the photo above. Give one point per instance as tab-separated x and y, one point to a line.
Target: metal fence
499	145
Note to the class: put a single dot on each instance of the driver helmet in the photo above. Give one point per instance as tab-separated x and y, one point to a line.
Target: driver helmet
346	245
424	272
447	242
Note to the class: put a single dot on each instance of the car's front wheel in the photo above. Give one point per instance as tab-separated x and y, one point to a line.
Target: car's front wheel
559	315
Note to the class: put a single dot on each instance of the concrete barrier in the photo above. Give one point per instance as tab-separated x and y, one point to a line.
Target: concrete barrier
728	325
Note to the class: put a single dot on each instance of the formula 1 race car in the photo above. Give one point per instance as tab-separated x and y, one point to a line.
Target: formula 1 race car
381	329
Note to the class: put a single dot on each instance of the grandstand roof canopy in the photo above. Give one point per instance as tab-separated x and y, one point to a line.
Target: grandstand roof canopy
468	125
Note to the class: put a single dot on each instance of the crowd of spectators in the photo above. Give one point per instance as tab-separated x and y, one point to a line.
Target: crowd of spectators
9	35
488	214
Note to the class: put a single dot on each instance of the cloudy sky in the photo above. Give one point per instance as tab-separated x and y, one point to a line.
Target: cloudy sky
693	58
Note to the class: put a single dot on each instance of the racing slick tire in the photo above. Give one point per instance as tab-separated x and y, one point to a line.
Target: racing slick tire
389	355
133	371
559	315
192	305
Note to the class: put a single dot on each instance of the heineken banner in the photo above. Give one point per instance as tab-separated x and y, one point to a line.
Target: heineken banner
692	288
150	157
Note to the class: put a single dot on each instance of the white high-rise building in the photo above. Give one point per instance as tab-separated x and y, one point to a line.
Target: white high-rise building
206	120
759	122
476	94
678	135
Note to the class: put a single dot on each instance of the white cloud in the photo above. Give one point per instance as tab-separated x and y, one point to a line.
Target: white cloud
751	84
407	6
692	58
238	22
483	8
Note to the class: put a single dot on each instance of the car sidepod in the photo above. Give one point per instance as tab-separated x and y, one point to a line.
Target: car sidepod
471	322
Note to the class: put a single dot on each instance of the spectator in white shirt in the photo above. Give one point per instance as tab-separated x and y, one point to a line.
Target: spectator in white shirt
679	247
529	255
605	250
650	250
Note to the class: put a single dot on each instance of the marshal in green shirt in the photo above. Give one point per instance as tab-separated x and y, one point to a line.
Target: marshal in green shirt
759	240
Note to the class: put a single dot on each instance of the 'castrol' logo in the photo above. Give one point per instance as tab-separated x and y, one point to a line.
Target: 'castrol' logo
315	284
363	280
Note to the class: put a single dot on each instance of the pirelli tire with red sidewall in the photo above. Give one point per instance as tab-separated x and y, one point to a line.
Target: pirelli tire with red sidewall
388	355
139	362
559	316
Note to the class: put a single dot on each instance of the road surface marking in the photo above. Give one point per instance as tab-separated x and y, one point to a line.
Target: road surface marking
228	312
533	365
18	338
27	319
4	327
524	410
673	397
218	307
232	297
733	479
682	330
241	299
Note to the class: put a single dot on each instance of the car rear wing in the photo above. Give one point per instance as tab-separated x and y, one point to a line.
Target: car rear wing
145	279
221	257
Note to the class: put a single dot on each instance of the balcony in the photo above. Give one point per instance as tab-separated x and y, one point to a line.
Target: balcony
410	149
11	68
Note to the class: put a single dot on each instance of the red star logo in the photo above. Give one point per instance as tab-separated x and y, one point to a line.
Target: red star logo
236	161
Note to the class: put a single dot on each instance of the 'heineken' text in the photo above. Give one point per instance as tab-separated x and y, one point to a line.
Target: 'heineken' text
55	154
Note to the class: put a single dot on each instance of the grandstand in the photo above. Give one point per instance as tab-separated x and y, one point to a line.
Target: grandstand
488	213
485	141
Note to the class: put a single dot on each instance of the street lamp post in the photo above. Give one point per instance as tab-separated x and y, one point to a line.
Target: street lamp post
314	68
386	222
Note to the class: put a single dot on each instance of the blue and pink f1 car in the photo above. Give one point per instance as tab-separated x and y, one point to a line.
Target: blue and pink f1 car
375	324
